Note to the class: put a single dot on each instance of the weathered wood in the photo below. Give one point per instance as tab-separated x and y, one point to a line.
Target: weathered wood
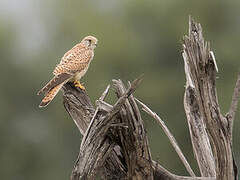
170	137
99	140
209	129
78	105
114	152
162	174
96	145
115	145
133	139
233	107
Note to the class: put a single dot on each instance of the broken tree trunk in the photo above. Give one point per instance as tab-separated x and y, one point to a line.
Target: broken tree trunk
115	145
211	132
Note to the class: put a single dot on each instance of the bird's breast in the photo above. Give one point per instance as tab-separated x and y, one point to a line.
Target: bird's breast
81	73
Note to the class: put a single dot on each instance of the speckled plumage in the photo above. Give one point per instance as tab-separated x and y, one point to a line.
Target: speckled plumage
73	65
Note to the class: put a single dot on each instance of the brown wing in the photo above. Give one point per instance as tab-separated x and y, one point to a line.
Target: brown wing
74	60
58	79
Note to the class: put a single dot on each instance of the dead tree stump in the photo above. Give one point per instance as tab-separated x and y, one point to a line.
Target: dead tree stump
115	145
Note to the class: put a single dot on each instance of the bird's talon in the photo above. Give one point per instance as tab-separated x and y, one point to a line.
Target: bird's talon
78	84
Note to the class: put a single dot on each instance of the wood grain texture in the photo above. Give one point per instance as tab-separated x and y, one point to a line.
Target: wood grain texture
115	144
209	129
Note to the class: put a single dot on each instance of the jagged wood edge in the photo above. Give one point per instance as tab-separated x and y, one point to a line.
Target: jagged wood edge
133	139
78	105
96	140
202	108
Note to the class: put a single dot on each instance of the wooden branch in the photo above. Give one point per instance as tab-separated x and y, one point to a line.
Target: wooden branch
233	107
235	99
212	147
170	137
104	94
199	137
161	173
78	105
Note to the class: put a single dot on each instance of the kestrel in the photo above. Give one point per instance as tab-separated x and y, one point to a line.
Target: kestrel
73	65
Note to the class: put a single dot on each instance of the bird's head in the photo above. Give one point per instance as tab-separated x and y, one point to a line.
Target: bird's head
90	41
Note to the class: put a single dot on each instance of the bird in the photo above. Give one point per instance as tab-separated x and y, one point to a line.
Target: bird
72	67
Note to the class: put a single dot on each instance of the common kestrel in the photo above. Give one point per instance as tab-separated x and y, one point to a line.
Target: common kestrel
73	65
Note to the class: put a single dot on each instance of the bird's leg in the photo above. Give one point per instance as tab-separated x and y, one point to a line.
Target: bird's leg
78	84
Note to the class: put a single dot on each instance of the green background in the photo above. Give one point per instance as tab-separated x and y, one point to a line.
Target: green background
135	37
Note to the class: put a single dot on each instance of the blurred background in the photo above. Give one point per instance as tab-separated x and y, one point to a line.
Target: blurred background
135	37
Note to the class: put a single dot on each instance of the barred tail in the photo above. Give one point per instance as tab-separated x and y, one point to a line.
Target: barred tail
56	80
50	95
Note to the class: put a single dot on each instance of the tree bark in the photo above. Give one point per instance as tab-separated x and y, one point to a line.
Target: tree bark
207	125
115	145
